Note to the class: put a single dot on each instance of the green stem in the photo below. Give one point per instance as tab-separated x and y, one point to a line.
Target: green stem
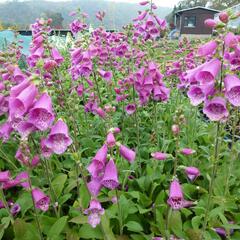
98	90
213	176
52	192
167	224
156	122
3	199
34	207
119	215
176	157
5	157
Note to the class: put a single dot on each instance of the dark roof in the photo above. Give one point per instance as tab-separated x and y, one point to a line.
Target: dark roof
205	8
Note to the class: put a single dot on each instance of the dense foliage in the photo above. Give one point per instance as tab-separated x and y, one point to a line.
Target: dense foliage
120	135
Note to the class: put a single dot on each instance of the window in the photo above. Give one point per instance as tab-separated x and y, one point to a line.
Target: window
190	21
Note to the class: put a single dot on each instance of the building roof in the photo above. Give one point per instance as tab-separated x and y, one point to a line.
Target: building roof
199	7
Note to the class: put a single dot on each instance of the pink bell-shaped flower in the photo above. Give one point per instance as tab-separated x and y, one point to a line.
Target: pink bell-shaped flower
58	140
41	115
41	200
110	178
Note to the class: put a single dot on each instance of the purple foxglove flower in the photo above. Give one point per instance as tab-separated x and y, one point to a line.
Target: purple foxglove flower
18	76
232	89
114	199
190	75
5	131
76	26
154	32
159	155
143	3
72	13
23	156
4	106
207	49
41	200
38	53
94	212
100	112
25	128
198	94
116	130
111	141
216	109
231	40
142	15
154	6
130	109
4	176
9	184
94	186
98	162
107	75
19	106
210	23
15	209
41	115
127	153
150	22
161	22
175	198
37	41
222	232
80	89
147	84
57	56
58	140
35	161
175	129
187	151
49	65
110	178
161	93
192	172
22	179
208	71
45	151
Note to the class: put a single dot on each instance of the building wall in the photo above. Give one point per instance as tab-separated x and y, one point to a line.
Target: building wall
201	16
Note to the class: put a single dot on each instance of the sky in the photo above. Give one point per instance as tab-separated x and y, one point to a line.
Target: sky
165	3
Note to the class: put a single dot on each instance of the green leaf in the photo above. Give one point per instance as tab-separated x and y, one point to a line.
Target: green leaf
175	223
46	223
64	198
25	231
196	221
86	231
57	227
72	235
124	207
25	201
85	197
58	184
79	219
105	224
134	226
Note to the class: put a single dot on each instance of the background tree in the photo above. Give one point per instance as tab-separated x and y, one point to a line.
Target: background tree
57	19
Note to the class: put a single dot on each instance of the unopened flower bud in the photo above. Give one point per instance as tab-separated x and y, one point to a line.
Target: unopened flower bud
223	16
175	129
210	23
